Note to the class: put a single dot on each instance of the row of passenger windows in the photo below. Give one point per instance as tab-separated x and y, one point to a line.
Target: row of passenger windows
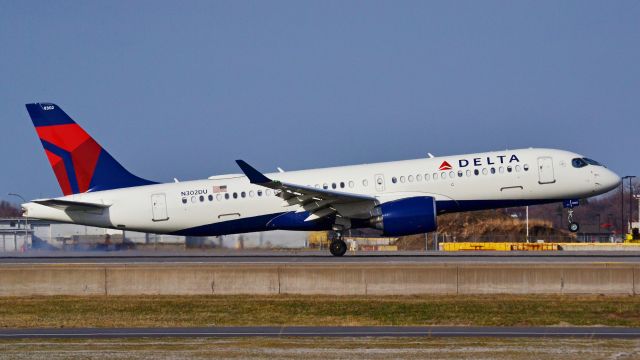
365	183
227	196
452	174
340	185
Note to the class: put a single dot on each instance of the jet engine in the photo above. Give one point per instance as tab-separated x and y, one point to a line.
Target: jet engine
415	215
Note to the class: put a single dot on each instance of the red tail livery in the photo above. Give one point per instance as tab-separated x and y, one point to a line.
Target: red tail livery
78	161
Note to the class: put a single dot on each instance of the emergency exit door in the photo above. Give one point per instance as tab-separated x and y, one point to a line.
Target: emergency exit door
545	170
159	207
379	180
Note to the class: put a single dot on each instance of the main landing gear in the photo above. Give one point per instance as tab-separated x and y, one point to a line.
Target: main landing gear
338	247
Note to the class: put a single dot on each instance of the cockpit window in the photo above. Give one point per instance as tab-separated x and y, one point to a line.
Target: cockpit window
591	162
578	163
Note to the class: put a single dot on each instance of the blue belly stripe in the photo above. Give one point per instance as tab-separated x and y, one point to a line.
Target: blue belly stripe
295	221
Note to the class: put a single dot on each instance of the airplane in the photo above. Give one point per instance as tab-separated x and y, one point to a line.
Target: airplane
398	197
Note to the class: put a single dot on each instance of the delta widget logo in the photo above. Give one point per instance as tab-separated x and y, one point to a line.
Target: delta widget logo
445	166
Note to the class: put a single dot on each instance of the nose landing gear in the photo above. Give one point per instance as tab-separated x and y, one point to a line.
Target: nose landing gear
570	204
573	226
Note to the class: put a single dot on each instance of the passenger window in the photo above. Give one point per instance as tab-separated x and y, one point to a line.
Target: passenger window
226	196
435	176
250	193
235	195
426	177
509	169
452	174
418	177
485	171
460	173
526	167
443	175
410	178
476	172
402	179
210	197
365	182
341	185
351	184
194	199
324	186
468	173
501	170
333	185
493	170
259	192
517	168
243	194
219	197
394	180
184	200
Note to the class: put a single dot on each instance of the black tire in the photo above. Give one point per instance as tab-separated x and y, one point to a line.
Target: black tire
574	227
338	248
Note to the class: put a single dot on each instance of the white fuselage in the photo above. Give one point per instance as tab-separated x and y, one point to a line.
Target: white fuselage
473	181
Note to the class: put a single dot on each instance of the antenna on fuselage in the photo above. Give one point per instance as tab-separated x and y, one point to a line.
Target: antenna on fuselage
430	155
280	169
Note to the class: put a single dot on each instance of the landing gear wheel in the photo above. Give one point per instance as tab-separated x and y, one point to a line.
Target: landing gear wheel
574	227
338	247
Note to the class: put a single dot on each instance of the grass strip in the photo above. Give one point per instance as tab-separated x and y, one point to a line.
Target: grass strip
169	311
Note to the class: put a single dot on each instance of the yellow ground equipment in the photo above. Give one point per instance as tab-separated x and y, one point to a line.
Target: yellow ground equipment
498	246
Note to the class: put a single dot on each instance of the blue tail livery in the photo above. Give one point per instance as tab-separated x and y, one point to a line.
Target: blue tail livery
78	161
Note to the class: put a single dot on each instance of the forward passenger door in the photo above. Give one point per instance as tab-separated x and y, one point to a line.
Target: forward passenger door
545	170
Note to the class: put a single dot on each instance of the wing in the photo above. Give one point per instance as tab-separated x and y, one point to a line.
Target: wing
70	205
319	202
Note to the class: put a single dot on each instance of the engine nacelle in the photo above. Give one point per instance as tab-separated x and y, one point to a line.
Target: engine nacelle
409	216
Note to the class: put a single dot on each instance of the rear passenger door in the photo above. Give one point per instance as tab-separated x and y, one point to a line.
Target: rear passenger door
159	207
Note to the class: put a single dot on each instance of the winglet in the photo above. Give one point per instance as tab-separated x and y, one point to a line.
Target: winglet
255	176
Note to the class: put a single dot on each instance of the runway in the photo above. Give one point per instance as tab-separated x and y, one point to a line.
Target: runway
301	257
325	331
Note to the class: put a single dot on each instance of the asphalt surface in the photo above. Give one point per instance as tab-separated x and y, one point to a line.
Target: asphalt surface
293	256
326	331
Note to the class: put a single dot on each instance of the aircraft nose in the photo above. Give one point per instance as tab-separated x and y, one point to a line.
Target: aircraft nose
609	180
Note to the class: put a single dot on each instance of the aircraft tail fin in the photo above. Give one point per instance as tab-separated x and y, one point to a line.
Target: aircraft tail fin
78	161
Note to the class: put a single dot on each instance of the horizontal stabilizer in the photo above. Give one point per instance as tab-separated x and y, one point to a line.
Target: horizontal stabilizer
70	205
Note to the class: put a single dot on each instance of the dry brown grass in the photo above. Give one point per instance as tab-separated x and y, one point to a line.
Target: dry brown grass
166	311
319	348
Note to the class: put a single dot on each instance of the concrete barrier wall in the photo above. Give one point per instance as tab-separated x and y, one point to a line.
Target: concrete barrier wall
325	279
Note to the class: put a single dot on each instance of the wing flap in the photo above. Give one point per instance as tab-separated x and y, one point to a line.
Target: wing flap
314	200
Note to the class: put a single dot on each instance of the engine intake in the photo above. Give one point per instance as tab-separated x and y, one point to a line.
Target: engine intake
408	216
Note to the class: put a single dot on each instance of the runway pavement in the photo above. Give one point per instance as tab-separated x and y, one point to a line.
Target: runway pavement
284	257
326	331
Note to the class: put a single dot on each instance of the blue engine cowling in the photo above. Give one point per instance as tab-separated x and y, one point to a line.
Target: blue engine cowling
416	215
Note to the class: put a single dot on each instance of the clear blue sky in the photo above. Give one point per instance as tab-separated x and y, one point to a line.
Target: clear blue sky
182	89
